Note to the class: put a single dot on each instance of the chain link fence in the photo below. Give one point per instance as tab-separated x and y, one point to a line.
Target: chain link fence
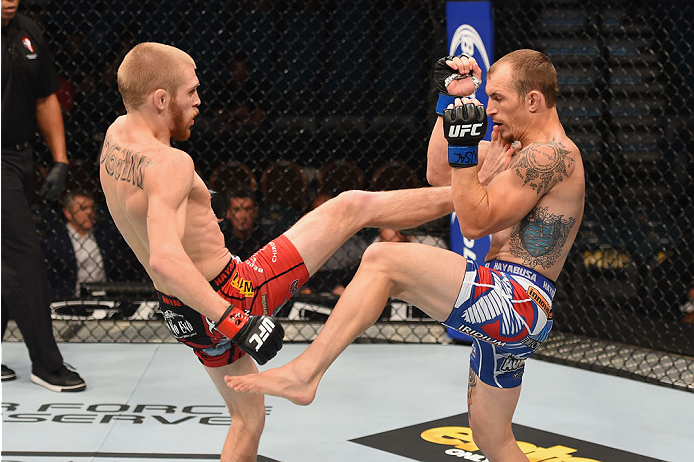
306	98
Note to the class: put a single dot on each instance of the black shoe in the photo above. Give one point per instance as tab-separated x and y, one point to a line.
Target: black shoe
7	374
64	379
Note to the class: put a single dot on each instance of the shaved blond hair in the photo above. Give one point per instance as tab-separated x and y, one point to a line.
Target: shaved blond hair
531	70
148	67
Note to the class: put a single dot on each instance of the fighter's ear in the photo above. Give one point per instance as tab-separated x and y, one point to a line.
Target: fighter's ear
161	98
534	99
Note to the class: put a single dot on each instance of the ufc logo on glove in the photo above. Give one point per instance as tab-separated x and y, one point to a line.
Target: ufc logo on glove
459	131
265	328
464	127
259	336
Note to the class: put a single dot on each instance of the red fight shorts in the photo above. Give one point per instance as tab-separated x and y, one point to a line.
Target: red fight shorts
259	285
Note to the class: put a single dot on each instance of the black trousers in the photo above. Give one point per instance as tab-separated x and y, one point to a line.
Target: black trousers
24	283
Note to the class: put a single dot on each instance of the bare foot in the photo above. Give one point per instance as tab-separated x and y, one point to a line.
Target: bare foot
282	382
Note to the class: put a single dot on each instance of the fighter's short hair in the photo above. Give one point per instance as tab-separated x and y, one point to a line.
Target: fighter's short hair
531	70
148	67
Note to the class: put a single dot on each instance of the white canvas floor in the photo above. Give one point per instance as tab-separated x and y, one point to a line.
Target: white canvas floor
149	402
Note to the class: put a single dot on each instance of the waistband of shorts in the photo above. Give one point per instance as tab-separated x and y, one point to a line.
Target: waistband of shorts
223	277
216	283
523	271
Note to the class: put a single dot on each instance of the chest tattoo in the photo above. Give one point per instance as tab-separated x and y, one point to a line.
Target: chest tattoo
543	165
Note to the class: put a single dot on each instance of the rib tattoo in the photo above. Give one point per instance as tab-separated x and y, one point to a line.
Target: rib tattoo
540	237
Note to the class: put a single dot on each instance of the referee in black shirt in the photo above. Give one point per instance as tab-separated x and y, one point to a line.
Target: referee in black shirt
29	83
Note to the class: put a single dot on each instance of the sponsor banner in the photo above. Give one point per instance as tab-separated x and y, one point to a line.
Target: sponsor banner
450	439
470	31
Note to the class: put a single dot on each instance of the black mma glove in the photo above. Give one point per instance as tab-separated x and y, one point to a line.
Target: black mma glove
55	182
219	204
259	336
444	75
464	127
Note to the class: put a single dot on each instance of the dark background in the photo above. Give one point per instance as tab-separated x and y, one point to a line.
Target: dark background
350	81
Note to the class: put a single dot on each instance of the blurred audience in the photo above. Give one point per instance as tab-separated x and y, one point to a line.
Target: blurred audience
242	234
81	250
237	97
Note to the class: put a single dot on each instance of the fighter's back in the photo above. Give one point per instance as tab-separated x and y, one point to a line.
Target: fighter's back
133	167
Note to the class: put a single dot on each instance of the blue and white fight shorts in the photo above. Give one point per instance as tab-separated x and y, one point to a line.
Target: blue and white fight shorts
507	309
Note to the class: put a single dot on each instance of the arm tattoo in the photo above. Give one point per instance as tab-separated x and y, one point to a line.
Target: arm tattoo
123	164
540	237
543	165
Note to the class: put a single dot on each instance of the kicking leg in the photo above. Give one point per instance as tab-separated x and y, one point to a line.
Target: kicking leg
323	230
426	276
247	413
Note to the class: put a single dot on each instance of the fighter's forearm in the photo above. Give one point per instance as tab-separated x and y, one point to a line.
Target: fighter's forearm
438	170
471	202
50	120
186	283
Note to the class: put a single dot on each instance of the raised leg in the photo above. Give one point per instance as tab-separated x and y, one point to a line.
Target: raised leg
426	276
323	230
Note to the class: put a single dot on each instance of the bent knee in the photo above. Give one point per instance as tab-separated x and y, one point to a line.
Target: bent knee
351	202
249	414
379	257
344	207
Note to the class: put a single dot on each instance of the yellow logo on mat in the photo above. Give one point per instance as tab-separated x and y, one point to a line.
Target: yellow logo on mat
461	438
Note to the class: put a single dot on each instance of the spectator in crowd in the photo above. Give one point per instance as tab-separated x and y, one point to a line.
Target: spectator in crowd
334	275
29	86
242	235
80	251
391	235
238	96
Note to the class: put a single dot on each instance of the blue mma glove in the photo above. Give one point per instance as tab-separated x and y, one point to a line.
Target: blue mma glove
464	127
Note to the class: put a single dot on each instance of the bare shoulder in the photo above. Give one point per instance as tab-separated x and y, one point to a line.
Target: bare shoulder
123	163
542	165
170	169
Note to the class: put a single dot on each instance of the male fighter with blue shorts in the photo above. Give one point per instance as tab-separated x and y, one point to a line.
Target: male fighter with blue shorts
533	209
